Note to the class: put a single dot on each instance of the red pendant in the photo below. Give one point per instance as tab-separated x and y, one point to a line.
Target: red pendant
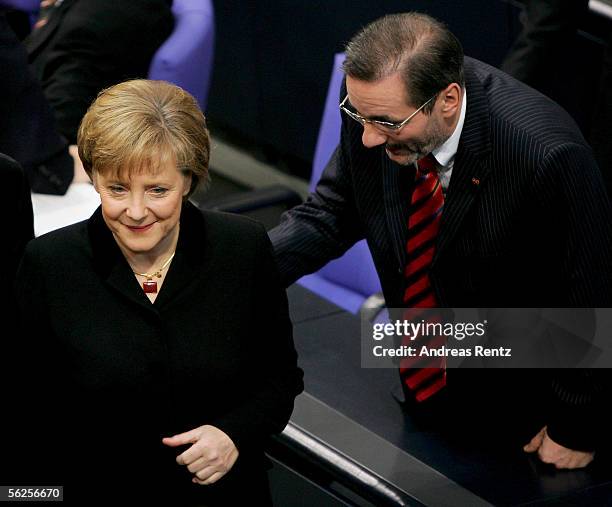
150	287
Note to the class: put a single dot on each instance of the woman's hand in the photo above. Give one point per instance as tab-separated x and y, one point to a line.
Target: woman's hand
210	457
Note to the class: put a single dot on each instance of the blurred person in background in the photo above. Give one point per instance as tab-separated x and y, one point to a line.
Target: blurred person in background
80	47
27	126
539	58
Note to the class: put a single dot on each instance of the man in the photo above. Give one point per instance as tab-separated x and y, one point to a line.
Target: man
514	213
83	46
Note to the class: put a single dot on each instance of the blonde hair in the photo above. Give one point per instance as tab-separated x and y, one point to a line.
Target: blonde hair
140	125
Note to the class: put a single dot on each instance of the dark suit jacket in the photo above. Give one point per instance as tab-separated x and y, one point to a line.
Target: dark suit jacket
112	374
526	221
16	207
27	127
88	45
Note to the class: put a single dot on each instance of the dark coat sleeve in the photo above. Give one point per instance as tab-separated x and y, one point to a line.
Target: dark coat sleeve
579	416
36	379
326	225
17	208
571	184
268	408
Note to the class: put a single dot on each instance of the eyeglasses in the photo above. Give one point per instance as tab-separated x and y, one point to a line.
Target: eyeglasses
383	125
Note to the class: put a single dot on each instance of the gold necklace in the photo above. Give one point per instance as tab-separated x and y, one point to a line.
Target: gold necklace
150	285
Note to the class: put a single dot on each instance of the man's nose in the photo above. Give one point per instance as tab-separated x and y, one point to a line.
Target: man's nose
372	137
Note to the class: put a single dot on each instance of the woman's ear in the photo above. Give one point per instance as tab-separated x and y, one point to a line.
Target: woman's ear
94	181
187	180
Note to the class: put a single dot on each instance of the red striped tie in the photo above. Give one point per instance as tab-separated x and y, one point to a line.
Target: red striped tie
423	377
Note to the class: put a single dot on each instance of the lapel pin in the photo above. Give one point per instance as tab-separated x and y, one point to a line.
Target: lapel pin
476	181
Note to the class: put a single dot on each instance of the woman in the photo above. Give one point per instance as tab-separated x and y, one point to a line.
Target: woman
157	336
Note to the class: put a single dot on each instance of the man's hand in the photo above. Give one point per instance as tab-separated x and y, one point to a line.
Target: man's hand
210	457
555	454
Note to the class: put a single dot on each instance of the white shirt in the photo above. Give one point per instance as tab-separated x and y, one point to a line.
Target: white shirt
445	154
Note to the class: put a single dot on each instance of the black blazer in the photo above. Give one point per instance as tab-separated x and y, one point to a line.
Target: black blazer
526	221
16	207
111	373
88	45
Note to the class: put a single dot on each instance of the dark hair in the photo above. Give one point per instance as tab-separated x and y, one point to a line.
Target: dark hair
425	53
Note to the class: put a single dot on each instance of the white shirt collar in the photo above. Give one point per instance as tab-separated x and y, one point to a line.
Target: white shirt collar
445	154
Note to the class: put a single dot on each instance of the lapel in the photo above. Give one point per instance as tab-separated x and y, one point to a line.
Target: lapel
110	263
185	270
41	35
472	164
192	260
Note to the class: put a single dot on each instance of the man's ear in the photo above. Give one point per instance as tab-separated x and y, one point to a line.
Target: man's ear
451	100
